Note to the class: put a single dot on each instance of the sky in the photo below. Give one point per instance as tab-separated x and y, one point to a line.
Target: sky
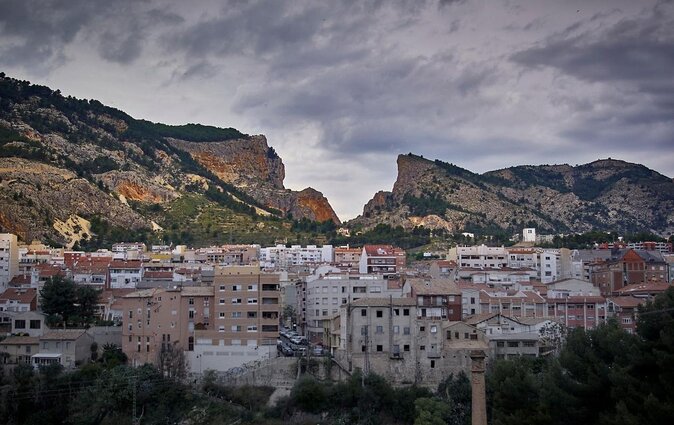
340	88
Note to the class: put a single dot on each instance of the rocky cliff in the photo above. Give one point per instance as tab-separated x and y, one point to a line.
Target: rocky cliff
255	168
65	161
603	195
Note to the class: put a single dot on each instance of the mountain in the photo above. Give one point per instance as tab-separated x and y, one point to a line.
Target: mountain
74	170
606	194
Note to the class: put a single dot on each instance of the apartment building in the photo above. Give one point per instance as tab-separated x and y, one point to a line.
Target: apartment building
326	292
479	256
157	321
512	303
9	259
585	312
125	274
230	255
387	337
280	257
624	309
245	320
504	277
627	267
436	299
381	259
346	257
18	300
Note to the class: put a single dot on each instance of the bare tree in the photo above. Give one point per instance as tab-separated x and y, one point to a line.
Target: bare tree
172	361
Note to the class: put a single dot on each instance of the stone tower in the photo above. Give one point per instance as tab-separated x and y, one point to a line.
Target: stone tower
479	402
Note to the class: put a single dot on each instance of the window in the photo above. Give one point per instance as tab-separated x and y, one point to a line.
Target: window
222	287
434	329
222	314
406	311
363	348
422	328
221	301
529	344
190	301
406	347
252	300
500	344
396	329
252	287
380	348
380	330
252	328
513	344
406	330
236	288
191	314
363	312
236	314
236	328
221	329
236	300
363	330
432	364
20	324
130	314
380	313
422	348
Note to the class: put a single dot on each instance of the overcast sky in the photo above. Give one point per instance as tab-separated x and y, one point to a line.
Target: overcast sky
340	88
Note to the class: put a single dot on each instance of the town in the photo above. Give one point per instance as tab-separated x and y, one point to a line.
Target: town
371	308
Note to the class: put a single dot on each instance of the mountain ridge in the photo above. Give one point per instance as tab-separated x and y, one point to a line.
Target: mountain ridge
140	168
605	194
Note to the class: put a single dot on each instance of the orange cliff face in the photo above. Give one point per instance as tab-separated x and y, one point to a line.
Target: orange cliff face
241	162
318	204
255	168
137	192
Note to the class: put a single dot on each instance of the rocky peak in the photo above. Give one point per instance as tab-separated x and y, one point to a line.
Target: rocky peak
241	162
410	169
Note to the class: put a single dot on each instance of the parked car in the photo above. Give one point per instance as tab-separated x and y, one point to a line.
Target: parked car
286	350
299	340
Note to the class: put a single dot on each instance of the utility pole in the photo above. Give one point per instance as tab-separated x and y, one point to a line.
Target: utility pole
134	421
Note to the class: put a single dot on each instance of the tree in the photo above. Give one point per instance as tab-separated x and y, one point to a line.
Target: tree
172	362
289	313
61	298
457	393
431	411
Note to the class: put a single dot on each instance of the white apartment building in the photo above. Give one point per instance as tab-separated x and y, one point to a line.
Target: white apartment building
125	274
326	293
529	235
280	257
480	256
546	262
9	259
550	265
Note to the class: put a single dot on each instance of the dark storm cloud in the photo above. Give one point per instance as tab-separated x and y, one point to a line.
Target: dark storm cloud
635	58
36	33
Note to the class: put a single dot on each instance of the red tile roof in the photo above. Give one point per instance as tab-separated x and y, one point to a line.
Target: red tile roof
21	295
